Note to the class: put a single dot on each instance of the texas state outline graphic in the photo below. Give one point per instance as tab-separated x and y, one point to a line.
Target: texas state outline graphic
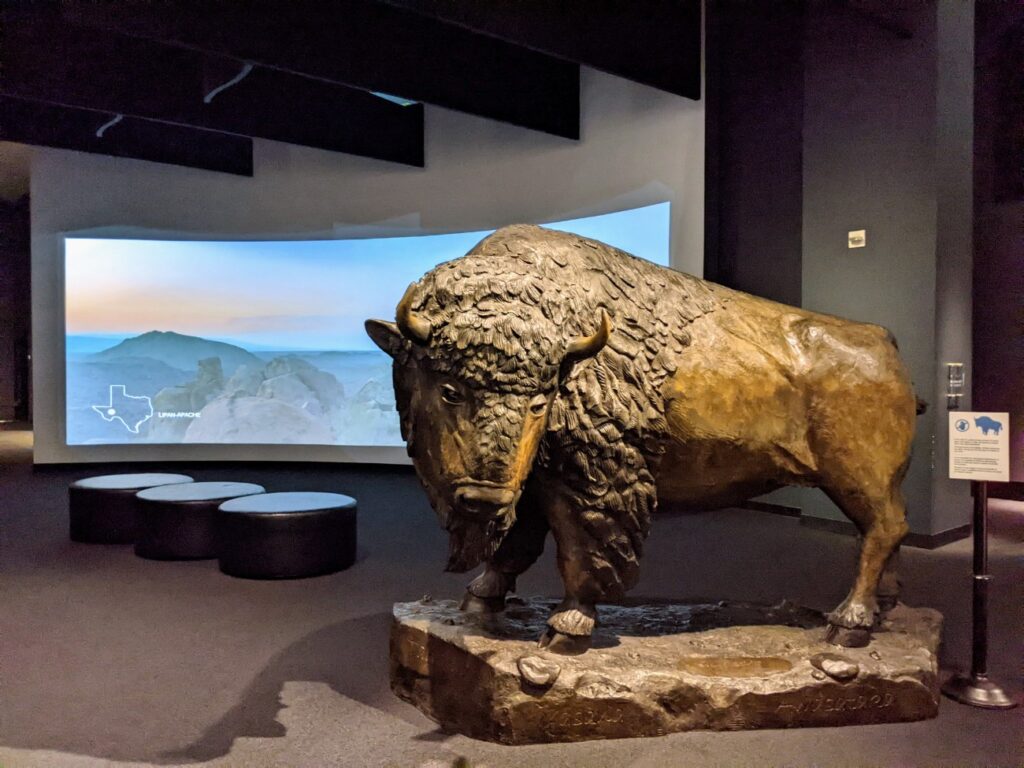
131	410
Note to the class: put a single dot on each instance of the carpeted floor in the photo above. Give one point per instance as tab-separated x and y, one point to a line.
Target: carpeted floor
106	659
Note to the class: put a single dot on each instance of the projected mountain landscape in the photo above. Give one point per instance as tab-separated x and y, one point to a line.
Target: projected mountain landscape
256	342
166	387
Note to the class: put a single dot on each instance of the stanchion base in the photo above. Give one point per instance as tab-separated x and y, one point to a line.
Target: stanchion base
977	692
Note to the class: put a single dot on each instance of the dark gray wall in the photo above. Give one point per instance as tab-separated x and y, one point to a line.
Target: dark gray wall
753	175
999	223
869	163
15	308
887	149
954	241
875	135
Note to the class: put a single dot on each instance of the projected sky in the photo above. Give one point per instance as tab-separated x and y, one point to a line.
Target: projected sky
286	295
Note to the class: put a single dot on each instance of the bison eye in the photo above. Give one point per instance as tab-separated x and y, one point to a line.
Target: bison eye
538	404
451	395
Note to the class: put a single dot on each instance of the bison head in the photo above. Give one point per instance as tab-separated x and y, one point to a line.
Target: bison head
474	392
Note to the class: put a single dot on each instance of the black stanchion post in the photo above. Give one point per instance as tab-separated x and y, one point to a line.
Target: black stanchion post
976	689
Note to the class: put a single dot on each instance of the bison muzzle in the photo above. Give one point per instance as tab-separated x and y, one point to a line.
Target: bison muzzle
550	383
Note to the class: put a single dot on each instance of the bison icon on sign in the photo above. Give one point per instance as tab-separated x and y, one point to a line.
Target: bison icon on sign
984	423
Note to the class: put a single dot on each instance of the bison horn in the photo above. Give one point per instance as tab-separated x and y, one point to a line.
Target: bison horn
588	346
414	327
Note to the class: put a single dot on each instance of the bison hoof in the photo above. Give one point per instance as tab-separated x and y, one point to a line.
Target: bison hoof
473	604
848	638
854	615
567	645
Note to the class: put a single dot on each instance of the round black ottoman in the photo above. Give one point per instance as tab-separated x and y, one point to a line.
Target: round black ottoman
286	535
177	522
103	508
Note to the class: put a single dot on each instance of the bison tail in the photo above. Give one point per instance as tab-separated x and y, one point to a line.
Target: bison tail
922	405
891	338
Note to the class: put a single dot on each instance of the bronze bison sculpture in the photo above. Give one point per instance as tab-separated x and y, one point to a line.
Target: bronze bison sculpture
546	382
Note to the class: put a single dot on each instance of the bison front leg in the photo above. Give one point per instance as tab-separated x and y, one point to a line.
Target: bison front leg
486	593
522	545
570	627
598	562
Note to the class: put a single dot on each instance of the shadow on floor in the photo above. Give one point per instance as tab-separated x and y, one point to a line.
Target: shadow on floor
350	657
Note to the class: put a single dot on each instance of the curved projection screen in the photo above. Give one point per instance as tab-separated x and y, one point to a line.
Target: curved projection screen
184	341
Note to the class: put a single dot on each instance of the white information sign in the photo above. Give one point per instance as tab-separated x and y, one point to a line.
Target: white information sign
979	446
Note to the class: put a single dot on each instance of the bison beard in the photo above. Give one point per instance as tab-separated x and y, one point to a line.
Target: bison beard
470	542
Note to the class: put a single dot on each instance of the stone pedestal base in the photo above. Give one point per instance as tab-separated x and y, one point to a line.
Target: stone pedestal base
658	668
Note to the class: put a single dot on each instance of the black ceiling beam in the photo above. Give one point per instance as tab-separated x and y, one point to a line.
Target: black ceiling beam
31	122
47	59
654	42
364	44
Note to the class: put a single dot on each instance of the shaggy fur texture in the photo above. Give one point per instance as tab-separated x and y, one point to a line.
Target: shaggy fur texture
502	318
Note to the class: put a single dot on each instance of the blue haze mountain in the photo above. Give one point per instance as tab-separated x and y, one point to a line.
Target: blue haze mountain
180	351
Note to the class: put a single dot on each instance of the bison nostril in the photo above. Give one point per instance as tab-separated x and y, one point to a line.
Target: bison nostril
477	500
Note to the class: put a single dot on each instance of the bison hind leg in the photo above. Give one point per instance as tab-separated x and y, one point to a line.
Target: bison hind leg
882	524
889	583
